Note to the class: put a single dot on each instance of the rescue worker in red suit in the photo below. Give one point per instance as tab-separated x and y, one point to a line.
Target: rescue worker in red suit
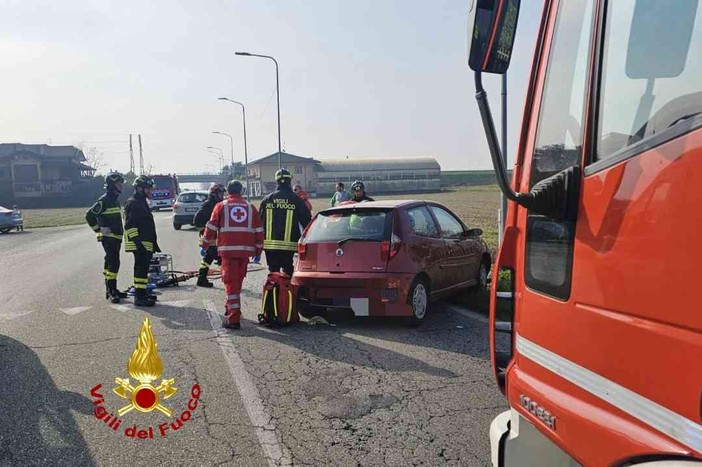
236	225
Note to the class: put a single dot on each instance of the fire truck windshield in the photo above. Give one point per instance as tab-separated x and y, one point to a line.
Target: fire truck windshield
164	183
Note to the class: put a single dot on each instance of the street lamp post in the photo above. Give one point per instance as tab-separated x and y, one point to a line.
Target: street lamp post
246	155
277	93
231	143
219	159
220	155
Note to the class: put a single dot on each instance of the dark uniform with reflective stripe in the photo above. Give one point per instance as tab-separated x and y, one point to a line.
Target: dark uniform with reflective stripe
201	219
106	213
282	213
140	237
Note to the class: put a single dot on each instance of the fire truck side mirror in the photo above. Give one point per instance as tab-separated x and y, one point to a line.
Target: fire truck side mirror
492	25
662	30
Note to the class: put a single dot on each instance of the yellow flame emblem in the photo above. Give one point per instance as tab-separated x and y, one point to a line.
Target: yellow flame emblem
145	366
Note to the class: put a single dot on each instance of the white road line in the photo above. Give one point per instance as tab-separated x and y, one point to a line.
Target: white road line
468	313
75	310
122	308
273	449
15	315
178	303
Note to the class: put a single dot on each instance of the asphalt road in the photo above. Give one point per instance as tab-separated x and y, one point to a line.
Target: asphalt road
356	392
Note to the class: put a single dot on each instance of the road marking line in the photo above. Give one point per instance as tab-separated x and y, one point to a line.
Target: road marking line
468	313
264	426
15	315
178	303
122	308
75	310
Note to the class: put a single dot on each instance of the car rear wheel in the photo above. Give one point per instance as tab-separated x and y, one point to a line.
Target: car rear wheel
5	230
482	278
418	299
176	226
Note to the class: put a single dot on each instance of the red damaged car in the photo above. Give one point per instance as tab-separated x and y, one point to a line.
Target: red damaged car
387	258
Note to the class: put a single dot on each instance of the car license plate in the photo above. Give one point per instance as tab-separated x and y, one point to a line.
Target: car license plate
359	306
190	209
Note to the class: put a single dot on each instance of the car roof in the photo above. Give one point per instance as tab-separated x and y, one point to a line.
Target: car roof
199	192
383	204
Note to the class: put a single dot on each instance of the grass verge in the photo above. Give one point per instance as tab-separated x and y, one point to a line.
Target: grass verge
34	218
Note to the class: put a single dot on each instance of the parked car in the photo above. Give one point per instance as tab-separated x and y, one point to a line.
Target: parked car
10	219
186	206
387	258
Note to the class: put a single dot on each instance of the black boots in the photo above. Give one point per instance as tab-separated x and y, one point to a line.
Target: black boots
142	299
202	278
112	293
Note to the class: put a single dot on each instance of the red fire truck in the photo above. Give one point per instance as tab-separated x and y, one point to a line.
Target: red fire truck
595	324
166	191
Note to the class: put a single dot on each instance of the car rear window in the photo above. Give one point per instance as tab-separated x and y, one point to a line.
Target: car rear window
192	198
371	225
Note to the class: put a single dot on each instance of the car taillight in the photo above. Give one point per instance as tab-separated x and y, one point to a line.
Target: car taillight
389	249
301	250
175	205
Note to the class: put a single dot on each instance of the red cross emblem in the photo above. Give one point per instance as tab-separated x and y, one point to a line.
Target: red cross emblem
238	214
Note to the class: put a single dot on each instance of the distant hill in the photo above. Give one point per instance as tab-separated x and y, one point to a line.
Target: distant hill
469	177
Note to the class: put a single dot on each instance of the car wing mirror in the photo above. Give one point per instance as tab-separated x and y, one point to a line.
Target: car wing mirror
473	233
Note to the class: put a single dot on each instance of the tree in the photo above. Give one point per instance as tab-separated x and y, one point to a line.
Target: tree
95	158
235	171
238	170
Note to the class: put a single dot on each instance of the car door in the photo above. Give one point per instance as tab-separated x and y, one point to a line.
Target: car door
463	253
427	248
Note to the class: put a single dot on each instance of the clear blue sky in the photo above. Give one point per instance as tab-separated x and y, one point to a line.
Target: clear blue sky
381	78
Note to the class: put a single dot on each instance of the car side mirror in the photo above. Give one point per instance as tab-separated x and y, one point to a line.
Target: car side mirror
474	233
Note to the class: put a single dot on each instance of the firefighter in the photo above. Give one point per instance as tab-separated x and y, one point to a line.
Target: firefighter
236	225
281	212
140	232
359	192
105	218
217	191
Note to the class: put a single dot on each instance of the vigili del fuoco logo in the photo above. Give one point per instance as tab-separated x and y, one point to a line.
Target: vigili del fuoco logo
145	367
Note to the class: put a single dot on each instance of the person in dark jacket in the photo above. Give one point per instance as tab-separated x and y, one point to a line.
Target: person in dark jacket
217	191
282	214
140	232
359	192
105	218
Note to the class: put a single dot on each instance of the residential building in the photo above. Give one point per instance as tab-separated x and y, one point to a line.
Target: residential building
40	170
262	172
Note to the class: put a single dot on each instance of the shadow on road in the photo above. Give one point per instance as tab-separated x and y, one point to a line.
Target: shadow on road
376	342
15	232
36	423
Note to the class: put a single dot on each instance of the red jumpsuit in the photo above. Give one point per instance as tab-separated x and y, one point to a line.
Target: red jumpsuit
236	225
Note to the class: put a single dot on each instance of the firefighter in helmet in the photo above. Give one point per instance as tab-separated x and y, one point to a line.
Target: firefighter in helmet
105	218
140	232
359	192
282	214
216	195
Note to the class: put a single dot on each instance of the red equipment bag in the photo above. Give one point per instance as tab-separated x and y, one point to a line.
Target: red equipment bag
279	301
